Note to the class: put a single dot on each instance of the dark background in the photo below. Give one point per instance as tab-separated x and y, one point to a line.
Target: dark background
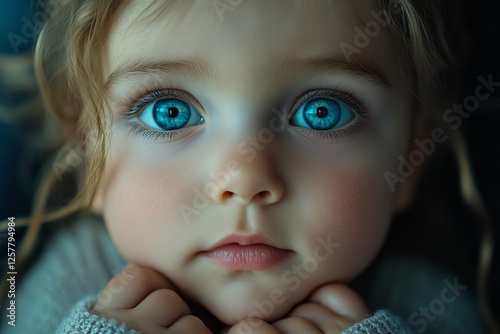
18	175
483	128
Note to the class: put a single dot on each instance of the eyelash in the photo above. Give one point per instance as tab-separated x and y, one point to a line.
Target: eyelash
142	97
344	96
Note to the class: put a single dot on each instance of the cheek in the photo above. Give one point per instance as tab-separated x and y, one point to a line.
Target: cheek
141	208
137	209
351	207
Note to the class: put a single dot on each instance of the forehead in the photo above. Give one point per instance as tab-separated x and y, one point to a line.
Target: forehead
254	33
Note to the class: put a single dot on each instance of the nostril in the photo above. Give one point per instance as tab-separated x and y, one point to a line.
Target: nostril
227	195
263	195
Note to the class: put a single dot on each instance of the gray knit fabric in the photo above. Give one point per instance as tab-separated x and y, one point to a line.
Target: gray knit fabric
381	322
57	294
81	320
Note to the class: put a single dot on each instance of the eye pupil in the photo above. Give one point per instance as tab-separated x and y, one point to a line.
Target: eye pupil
322	112
172	112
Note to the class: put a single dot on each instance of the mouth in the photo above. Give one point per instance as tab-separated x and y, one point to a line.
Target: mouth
253	253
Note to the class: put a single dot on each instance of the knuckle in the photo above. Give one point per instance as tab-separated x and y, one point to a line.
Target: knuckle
331	289
133	274
306	307
107	312
124	279
250	326
103	304
194	324
98	308
341	324
300	323
188	324
166	297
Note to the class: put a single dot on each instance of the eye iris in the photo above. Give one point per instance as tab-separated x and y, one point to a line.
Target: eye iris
171	114
322	114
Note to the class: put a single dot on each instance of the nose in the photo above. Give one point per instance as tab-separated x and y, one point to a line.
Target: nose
251	182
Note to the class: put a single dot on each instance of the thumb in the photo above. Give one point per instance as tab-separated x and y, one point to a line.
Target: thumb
342	300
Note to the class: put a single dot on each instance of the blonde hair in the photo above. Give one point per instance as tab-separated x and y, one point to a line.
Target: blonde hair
68	65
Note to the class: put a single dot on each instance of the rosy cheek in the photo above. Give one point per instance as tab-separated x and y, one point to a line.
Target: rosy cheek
353	209
141	209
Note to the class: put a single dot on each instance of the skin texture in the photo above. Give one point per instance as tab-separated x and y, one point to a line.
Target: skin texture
301	190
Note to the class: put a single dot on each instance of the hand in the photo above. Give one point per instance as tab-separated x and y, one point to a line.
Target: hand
330	309
146	301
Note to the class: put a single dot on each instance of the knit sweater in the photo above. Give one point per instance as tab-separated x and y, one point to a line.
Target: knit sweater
58	292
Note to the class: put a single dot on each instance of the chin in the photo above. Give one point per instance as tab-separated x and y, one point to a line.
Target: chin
231	307
265	312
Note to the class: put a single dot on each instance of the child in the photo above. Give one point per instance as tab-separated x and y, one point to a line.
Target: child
246	158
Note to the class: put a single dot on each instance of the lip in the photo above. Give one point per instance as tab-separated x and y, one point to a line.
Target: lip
246	252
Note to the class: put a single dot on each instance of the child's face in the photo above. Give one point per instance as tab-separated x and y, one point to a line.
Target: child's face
312	181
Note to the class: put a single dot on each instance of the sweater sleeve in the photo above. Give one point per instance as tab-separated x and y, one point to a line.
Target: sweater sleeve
81	320
382	322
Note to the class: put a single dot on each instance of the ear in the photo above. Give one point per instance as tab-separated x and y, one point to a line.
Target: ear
421	128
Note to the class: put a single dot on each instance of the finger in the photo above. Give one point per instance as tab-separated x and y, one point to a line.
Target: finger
253	326
188	324
341	300
324	319
162	308
129	287
296	325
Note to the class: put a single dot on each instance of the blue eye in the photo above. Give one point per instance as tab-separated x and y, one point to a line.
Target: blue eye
322	114
170	114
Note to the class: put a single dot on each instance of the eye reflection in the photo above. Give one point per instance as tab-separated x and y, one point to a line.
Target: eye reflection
169	114
322	114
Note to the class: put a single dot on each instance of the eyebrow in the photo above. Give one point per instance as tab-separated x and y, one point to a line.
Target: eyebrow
195	68
362	67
